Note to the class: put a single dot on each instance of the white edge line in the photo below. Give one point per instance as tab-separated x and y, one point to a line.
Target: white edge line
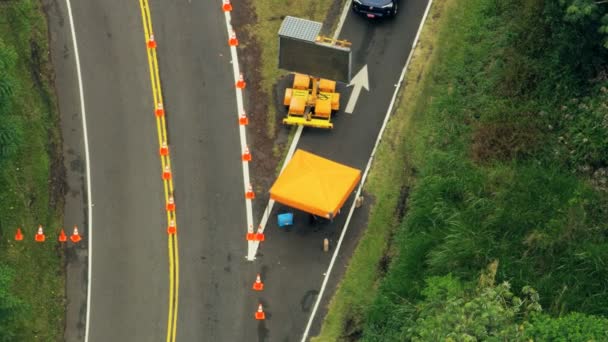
342	19
352	208
88	172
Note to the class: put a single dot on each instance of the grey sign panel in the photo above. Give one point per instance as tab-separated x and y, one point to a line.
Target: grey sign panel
300	52
319	60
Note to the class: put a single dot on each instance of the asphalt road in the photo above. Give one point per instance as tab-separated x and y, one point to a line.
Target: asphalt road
293	259
196	72
129	266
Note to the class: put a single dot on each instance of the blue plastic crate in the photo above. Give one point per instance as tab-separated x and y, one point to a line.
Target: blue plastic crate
285	219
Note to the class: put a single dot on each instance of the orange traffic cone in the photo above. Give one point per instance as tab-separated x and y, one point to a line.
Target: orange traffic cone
260	315
160	110
240	83
246	154
250	234
232	41
75	236
259	236
171	204
18	235
243	120
40	235
172	229
167	173
249	194
164	149
258	285
151	42
62	236
226	6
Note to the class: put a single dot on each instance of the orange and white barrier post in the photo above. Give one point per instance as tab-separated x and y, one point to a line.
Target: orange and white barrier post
167	173
40	235
151	42
164	149
243	120
232	41
75	235
260	315
259	236
250	234
226	6
62	237
240	83
160	110
18	235
249	194
258	285
246	155
171	203
172	229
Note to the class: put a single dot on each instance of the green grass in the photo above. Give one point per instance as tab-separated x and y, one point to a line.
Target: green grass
505	139
493	180
25	178
270	14
389	174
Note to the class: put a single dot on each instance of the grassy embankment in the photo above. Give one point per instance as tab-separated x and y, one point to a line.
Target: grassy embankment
388	182
506	126
31	276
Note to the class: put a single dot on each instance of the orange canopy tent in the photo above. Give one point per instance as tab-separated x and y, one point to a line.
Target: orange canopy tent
314	184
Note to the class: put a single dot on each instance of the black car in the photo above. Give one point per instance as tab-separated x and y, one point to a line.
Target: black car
376	8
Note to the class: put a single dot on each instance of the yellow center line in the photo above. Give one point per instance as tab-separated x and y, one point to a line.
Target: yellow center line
161	127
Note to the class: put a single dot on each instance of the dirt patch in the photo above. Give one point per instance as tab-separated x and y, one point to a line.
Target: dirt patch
503	141
264	163
43	77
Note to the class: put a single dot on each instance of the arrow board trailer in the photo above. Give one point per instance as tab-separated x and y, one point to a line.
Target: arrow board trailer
318	63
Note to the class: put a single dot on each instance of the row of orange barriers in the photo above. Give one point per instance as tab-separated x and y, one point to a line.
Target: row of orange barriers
251	236
41	237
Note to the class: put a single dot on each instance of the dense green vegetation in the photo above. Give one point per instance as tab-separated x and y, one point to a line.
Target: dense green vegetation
507	140
511	154
31	278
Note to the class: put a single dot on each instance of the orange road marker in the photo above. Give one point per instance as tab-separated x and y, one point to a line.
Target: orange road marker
75	236
259	236
18	235
172	229
249	194
240	84
151	42
40	235
246	155
171	204
232	41
160	110
243	120
260	315
250	234
62	236
164	149
167	173
226	6
258	285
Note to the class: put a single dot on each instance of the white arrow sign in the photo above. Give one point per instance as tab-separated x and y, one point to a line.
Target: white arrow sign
359	81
